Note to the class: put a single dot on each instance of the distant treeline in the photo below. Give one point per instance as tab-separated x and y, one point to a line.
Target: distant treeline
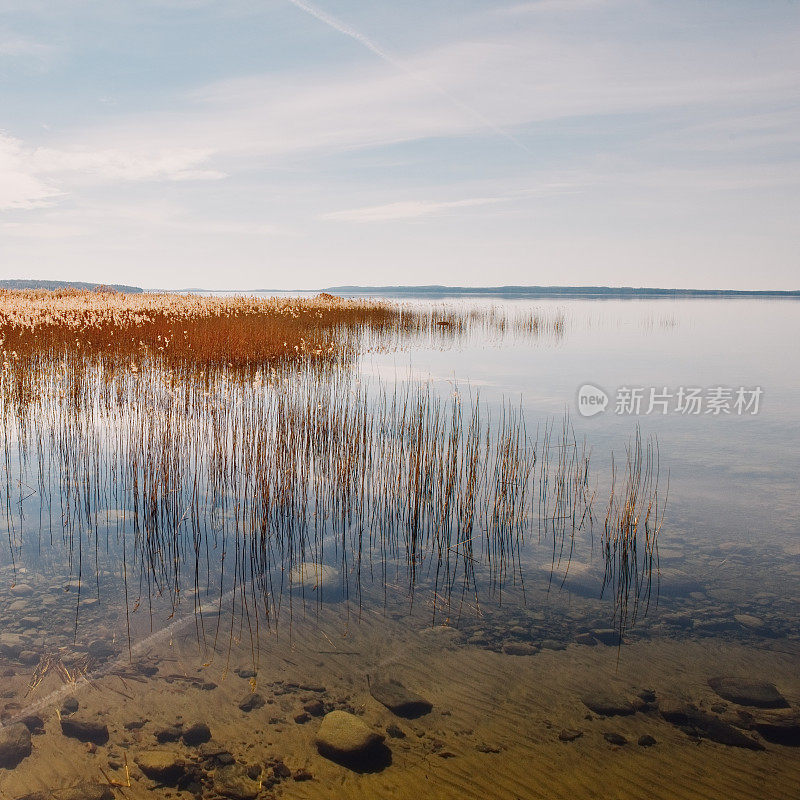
117	287
552	291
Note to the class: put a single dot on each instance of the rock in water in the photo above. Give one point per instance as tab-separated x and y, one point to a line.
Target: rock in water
316	581
84	729
252	701
233	781
745	692
399	700
520	649
607	704
199	733
780	728
161	765
83	791
694	722
15	744
345	738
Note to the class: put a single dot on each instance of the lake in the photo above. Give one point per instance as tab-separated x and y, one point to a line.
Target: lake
541	548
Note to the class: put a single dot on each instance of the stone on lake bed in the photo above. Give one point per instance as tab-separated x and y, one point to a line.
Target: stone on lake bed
779	727
442	634
83	791
569	735
85	729
15	744
252	701
195	734
747	692
390	692
701	724
234	781
615	738
321	581
607	704
161	765
608	636
520	649
343	736
750	621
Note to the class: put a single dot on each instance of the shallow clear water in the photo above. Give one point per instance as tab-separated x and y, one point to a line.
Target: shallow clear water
506	655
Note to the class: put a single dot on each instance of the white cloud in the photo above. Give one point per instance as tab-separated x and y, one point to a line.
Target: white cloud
35	177
20	188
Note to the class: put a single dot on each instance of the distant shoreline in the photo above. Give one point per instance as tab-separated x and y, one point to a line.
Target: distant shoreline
554	291
51	285
437	291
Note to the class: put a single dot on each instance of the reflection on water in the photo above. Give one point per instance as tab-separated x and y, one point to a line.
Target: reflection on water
197	575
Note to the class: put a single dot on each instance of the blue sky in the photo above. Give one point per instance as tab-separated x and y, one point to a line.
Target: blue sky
290	144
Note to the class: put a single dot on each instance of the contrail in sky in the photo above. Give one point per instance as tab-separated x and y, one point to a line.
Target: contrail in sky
365	41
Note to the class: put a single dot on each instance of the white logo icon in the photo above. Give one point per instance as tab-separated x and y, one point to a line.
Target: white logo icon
591	400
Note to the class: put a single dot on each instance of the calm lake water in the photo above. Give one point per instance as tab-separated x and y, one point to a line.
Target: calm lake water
509	659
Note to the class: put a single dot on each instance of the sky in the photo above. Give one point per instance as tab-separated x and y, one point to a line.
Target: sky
288	144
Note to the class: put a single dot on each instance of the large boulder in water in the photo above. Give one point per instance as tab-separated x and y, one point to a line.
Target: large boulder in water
746	692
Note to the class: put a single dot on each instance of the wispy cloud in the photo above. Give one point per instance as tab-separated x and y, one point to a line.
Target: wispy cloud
409	209
365	41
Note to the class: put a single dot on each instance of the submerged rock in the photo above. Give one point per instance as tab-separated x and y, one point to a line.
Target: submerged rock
520	649
646	740
85	729
746	692
83	791
779	728
569	735
316	581
198	733
345	738
606	704
390	692
615	738
15	744
700	724
252	701
161	765
235	782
